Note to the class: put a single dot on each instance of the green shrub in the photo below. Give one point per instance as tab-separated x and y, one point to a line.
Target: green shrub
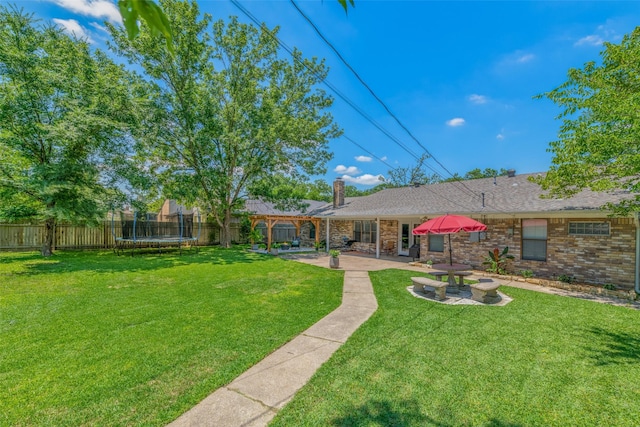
526	273
565	278
497	261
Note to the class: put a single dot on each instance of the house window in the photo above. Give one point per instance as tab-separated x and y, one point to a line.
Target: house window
436	242
312	232
364	231
534	239
589	228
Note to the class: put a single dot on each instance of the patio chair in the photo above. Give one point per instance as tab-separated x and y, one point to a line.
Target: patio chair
346	243
295	243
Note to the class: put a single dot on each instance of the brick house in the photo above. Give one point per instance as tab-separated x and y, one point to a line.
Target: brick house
550	237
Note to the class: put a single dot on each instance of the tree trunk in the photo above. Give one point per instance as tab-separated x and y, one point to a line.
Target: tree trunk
49	234
226	229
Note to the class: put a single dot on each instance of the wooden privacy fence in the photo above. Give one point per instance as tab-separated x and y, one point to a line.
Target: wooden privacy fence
31	236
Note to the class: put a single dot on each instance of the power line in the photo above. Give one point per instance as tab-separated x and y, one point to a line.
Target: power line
427	187
361	111
329	85
368	152
371	91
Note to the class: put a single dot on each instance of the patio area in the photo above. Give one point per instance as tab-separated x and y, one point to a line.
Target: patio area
463	297
356	261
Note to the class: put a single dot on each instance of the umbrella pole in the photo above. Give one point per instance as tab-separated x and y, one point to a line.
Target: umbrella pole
450	256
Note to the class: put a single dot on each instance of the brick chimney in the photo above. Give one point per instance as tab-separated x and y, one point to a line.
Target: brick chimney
338	192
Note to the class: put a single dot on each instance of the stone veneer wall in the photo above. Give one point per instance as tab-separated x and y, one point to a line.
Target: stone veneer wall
590	259
388	236
337	230
305	231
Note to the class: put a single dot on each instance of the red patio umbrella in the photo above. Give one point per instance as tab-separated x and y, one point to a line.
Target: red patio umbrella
448	224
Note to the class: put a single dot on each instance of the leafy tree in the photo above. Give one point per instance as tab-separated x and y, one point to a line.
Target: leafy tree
486	173
599	139
319	190
134	12
401	177
63	125
352	191
226	111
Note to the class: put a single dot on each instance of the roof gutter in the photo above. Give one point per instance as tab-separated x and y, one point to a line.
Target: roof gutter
637	279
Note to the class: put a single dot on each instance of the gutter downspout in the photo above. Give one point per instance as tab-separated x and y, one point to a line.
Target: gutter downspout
326	246
637	278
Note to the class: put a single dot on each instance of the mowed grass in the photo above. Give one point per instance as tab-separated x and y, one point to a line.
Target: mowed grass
90	338
542	360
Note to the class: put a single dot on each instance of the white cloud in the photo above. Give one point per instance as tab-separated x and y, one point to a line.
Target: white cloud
363	159
351	170
384	158
478	99
591	40
99	27
499	137
103	9
524	58
366	179
516	58
73	27
458	121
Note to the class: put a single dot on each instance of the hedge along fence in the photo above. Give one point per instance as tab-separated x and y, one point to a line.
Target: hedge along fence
31	236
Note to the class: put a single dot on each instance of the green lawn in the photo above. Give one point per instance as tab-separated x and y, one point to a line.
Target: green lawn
542	360
89	338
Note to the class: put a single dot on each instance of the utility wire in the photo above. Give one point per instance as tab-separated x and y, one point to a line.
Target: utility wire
369	152
329	85
380	101
361	111
427	187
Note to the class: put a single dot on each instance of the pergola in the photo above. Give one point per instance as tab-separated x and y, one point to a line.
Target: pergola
272	220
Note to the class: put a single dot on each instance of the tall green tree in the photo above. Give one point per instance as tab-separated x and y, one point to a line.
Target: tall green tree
228	112
63	125
477	173
417	173
598	144
133	12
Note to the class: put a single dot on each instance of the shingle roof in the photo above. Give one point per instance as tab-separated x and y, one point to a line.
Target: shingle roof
502	195
259	207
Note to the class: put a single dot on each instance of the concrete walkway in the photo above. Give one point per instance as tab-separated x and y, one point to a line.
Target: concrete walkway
254	398
370	263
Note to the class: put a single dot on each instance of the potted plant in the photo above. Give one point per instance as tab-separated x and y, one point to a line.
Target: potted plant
334	260
274	248
256	237
317	245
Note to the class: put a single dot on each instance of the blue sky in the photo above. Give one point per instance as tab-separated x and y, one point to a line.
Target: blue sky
461	76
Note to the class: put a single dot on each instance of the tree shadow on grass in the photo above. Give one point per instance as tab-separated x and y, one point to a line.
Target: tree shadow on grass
107	261
613	348
383	413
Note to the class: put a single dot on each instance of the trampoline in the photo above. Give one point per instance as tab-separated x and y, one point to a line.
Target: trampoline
142	231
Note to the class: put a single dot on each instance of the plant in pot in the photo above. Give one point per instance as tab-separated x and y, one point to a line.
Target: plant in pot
317	245
256	237
274	248
334	258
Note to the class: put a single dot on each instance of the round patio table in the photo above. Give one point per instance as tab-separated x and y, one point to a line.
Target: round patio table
451	269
